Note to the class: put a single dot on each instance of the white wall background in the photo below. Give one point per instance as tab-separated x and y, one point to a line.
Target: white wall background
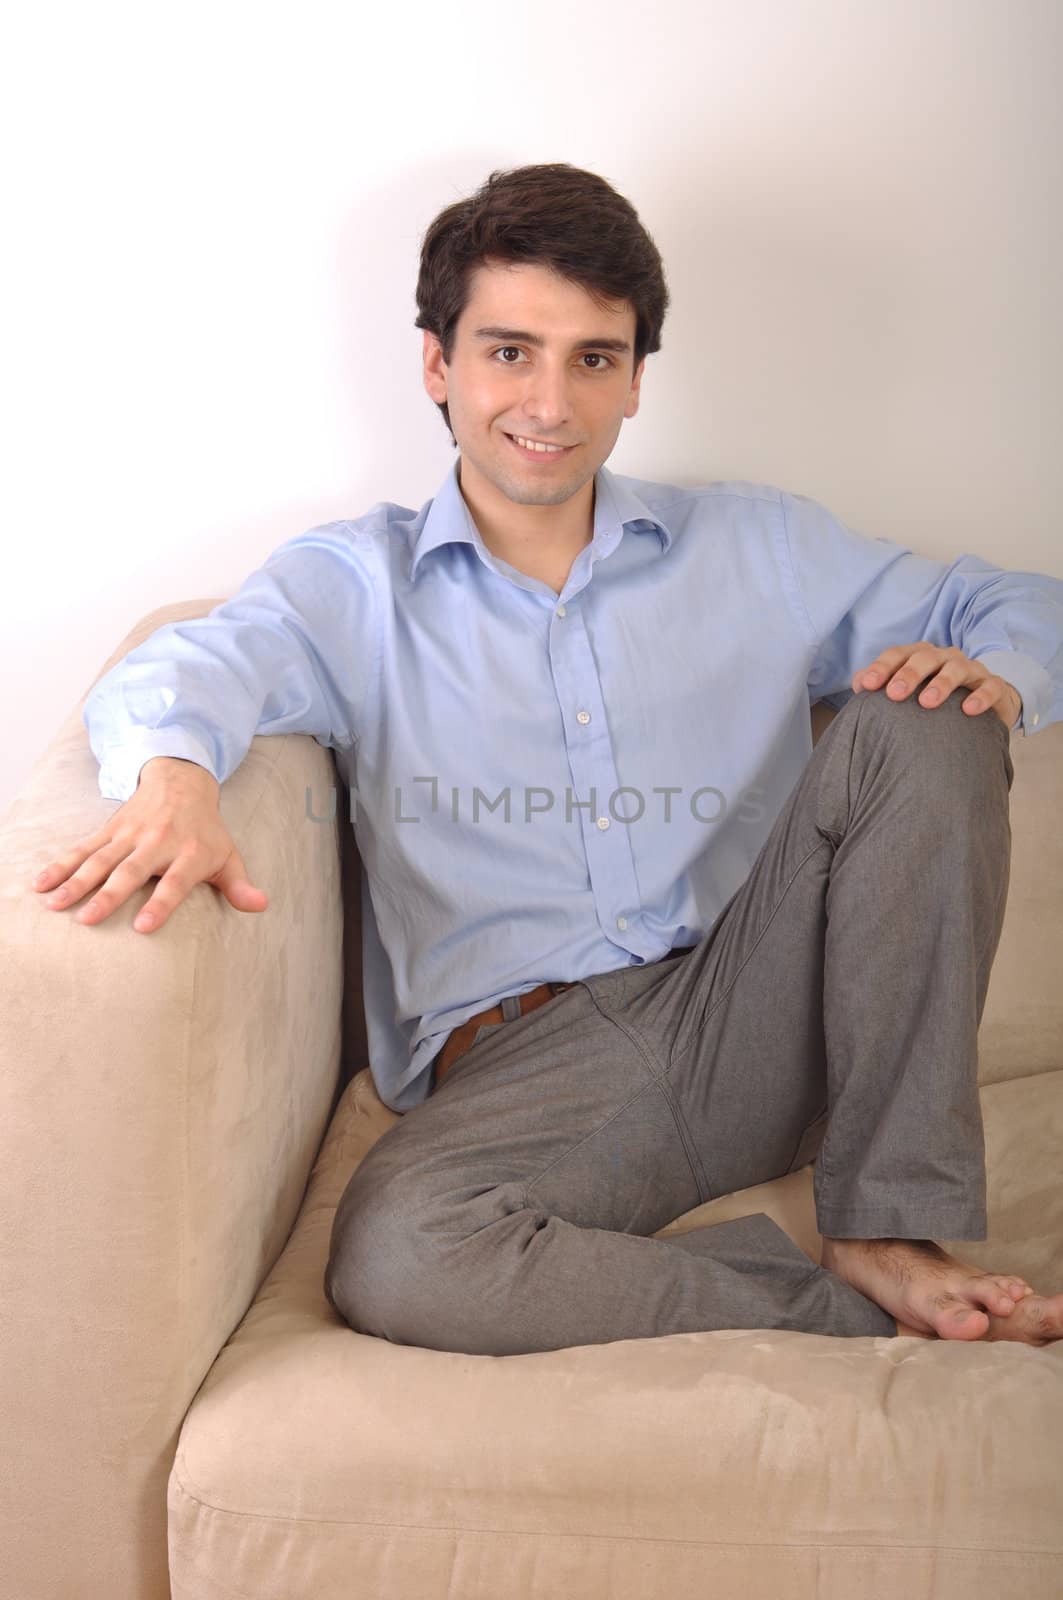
214	214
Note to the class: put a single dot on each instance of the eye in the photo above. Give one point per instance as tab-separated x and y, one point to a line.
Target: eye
588	355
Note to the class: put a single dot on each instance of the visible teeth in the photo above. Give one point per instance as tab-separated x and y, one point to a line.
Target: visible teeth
530	444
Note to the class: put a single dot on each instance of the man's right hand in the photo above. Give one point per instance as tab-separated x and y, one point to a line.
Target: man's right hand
170	828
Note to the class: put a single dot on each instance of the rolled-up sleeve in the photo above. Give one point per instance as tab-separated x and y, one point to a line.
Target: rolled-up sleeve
860	596
293	651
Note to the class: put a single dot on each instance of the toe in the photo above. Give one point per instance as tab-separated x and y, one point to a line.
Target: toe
958	1320
1000	1294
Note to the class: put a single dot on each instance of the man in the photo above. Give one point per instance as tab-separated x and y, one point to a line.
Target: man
597	1013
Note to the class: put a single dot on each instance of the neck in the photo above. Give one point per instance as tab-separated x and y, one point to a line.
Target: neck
539	540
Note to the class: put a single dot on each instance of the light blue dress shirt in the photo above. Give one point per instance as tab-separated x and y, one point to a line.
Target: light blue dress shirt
548	786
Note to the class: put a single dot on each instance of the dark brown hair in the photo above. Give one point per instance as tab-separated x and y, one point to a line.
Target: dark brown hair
558	216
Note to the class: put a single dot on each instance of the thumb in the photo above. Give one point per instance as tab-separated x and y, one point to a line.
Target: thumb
234	884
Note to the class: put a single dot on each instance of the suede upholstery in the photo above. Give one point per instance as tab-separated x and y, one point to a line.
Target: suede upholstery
184	1414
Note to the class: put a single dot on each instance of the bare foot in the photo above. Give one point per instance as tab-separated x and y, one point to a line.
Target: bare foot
932	1295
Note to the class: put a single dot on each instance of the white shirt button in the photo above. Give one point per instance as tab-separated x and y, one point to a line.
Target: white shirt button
583	716
603	823
561	611
621	923
1036	718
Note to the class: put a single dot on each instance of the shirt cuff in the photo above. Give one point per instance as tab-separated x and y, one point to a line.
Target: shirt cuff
120	768
1028	677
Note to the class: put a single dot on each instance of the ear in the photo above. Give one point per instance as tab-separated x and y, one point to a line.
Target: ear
632	404
435	368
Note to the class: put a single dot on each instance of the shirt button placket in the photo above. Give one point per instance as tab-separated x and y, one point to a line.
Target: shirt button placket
608	875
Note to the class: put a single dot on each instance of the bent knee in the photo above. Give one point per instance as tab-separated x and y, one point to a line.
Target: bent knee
914	717
425	1272
938	735
371	1272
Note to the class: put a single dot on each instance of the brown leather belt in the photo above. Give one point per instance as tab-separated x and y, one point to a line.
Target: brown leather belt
462	1037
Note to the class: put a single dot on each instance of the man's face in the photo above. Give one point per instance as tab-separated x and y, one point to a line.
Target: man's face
532	358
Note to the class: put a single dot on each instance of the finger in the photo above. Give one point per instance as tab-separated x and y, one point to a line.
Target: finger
991	693
919	658
236	886
919	665
59	870
877	671
173	887
139	864
89	875
874	677
942	684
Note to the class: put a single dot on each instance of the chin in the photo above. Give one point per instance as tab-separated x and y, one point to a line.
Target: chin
521	495
553	493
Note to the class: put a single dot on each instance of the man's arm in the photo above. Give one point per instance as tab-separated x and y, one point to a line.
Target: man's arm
861	597
290	652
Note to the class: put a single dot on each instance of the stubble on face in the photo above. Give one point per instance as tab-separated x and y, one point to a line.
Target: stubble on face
486	403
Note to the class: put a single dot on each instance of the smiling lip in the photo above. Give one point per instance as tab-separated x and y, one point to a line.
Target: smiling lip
539	455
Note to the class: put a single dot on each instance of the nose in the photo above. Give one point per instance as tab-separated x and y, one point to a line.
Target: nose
546	398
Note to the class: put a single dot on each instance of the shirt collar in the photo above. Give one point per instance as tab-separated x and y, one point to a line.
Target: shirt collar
616	507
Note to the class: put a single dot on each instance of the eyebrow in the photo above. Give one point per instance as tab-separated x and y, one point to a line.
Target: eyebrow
520	336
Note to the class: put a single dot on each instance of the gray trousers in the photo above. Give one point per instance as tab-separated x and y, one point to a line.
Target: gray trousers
830	1013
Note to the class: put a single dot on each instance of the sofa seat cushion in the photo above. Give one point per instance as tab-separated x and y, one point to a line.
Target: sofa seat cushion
316	1461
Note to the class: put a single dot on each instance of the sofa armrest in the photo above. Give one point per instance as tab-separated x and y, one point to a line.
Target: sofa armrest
163	1099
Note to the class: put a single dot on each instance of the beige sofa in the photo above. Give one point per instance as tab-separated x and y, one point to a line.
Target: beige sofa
183	1413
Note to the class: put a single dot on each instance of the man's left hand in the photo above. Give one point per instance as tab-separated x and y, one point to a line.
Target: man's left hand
904	665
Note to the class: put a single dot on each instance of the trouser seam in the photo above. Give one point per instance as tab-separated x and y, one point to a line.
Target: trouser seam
591	1134
693	1159
659	1075
658	1081
718	1002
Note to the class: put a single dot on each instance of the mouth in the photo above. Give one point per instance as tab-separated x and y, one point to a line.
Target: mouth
540	454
